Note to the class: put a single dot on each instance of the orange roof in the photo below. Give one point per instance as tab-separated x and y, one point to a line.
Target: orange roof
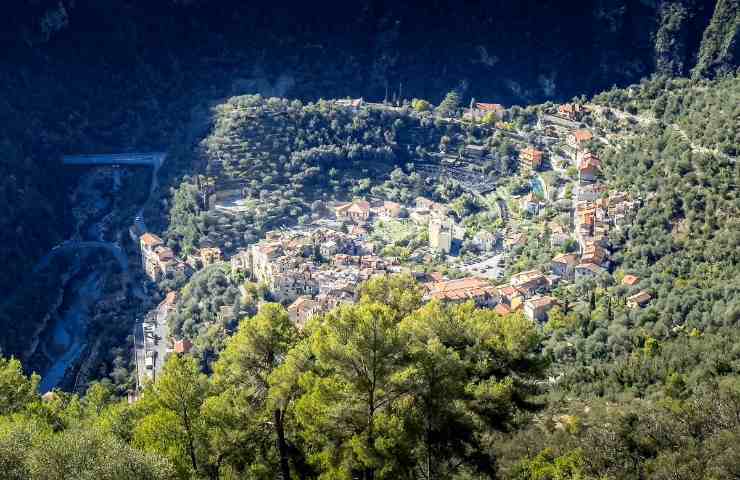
183	346
567	258
590	161
527	277
357	206
531	152
583	135
502	309
436	276
151	240
508	290
460	289
165	254
492	107
539	302
595	258
170	298
299	303
342	207
630	280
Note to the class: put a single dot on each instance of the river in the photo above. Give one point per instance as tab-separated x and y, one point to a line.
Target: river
67	337
64	340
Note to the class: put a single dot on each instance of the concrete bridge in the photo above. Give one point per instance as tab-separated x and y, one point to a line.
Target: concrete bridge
151	159
71	245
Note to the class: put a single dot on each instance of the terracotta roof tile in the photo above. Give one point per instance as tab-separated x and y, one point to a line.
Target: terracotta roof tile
151	240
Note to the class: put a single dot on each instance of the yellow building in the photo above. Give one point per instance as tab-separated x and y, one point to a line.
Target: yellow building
210	255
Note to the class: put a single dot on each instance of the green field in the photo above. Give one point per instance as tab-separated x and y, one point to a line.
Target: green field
391	231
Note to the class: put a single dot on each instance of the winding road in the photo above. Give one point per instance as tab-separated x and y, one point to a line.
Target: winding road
69	332
154	160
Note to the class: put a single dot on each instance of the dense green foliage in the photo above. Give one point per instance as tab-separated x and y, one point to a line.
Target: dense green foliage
680	437
386	388
720	48
120	75
679	155
196	315
290	159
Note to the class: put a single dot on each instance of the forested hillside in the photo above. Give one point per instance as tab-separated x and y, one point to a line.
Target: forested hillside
387	388
678	151
650	393
289	160
390	387
121	75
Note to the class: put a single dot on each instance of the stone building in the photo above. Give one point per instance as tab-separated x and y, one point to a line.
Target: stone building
440	235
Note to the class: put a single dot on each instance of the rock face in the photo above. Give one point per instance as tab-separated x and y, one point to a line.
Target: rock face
720	46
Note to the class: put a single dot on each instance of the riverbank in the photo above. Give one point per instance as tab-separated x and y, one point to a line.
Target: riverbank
97	291
68	335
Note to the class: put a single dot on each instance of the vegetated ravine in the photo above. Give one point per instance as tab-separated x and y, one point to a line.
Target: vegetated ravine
94	266
90	77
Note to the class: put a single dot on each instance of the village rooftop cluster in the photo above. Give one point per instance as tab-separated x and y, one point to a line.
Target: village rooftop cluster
313	268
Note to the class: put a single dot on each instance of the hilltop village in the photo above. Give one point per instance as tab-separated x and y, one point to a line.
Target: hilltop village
553	201
370	240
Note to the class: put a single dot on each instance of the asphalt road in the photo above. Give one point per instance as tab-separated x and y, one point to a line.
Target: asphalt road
154	341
